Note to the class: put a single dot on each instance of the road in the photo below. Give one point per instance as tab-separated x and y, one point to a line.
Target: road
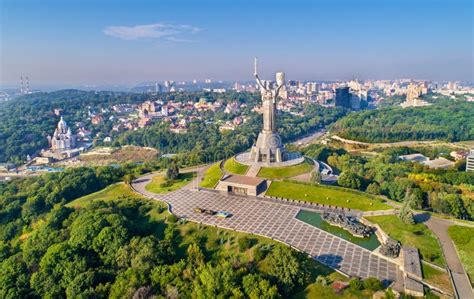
276	221
440	227
308	139
401	143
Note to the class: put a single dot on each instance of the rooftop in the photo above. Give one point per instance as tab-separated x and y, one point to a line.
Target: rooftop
243	180
411	261
439	163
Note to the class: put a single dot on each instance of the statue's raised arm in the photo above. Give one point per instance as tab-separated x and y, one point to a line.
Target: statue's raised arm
255	73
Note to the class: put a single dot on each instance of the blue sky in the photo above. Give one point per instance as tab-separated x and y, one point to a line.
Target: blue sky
80	42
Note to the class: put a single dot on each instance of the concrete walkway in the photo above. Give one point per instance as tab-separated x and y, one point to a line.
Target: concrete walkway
277	221
253	171
440	227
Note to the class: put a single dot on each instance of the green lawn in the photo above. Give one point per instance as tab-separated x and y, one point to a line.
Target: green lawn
436	277
212	176
111	192
155	185
417	235
235	167
286	172
325	195
463	238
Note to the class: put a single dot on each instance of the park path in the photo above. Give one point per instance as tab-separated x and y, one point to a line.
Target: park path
462	284
253	171
277	221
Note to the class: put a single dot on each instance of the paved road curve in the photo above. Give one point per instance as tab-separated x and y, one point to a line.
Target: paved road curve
276	221
461	282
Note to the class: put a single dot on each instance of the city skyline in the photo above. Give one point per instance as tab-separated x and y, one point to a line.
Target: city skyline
99	43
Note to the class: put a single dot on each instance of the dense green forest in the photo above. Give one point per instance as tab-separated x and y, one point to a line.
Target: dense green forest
450	120
436	189
131	247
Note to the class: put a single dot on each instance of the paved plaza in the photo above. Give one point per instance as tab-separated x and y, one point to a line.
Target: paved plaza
277	221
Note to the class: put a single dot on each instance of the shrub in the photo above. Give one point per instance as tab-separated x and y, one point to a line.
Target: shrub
259	253
356	284
172	218
167	183
373	284
244	243
321	280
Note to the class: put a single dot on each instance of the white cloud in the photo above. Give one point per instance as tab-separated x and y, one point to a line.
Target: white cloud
172	33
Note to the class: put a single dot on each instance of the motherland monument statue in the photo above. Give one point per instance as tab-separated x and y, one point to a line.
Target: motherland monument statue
268	147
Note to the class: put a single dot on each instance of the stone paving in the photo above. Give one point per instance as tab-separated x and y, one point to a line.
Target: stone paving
277	221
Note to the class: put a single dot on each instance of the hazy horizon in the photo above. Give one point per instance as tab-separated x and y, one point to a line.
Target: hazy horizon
106	43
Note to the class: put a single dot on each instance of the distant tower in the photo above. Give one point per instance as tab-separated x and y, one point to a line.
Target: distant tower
27	87
22	91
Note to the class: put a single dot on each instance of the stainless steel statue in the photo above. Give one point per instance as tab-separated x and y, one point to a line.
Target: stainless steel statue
268	147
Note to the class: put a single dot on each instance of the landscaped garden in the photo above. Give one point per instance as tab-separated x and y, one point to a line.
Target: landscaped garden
333	196
232	166
160	184
212	176
413	235
286	172
463	238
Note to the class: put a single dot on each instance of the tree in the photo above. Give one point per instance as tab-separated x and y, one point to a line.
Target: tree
285	265
218	281
244	243
405	214
256	287
373	284
172	172
58	268
349	180
373	188
316	177
14	278
129	178
195	256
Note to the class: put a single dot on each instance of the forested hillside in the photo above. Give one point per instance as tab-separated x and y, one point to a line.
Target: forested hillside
444	120
130	246
26	121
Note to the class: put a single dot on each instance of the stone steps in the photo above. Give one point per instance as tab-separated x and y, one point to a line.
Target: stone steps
253	171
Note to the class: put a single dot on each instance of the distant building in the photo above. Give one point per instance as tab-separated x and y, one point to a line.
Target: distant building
440	162
58	111
149	106
470	161
458	155
414	92
62	138
96	119
343	97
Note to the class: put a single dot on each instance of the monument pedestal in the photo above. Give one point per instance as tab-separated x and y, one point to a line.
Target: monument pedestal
268	148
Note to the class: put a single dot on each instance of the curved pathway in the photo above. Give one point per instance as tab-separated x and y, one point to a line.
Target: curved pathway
461	282
276	221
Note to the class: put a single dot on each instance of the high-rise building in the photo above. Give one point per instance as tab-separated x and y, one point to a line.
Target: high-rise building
342	97
470	161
